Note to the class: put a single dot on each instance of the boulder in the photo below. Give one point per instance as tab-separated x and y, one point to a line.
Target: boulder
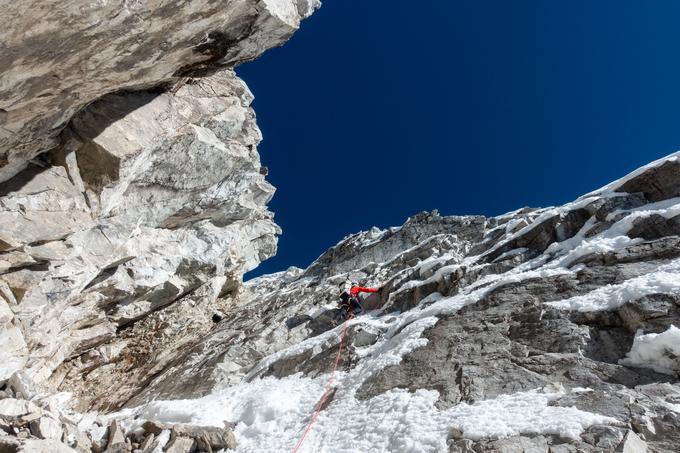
216	438
14	409
632	444
46	428
116	436
180	445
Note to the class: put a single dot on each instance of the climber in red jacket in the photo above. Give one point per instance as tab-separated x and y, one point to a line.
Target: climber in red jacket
349	300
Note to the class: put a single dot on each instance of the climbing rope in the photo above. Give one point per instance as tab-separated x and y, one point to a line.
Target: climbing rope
324	397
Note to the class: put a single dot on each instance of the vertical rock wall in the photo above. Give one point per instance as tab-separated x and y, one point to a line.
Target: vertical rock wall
152	198
131	191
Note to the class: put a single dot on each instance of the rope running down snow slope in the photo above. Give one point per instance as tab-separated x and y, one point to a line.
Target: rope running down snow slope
328	387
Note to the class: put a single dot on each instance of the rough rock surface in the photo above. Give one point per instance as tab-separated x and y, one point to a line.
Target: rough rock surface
132	198
133	201
163	203
547	299
59	56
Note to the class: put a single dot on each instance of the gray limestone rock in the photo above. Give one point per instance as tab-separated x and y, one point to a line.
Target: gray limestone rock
58	57
180	445
115	434
46	428
632	444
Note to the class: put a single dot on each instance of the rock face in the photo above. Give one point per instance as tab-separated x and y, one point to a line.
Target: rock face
133	201
132	198
531	331
158	198
58	57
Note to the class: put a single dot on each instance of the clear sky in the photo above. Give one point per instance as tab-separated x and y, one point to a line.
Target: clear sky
378	109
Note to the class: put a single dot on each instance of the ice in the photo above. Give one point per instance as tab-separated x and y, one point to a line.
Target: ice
657	351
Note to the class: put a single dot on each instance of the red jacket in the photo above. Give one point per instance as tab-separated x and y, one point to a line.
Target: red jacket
355	290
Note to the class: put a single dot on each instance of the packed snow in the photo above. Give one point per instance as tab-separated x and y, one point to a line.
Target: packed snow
657	351
613	186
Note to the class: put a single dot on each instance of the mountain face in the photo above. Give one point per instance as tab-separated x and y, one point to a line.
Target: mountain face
133	201
541	330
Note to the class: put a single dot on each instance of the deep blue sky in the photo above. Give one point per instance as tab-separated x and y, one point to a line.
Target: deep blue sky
377	110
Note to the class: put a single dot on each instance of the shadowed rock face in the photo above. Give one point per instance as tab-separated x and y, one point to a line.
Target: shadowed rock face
122	251
59	56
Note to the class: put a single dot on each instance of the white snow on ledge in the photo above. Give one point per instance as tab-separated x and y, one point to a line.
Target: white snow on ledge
666	279
523	413
657	351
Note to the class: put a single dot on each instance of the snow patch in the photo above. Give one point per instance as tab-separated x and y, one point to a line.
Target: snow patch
666	279
657	351
523	413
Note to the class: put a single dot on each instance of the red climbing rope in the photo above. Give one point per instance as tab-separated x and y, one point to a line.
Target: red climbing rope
328	388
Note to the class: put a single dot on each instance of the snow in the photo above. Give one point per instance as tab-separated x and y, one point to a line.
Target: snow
657	351
272	414
666	279
523	413
163	439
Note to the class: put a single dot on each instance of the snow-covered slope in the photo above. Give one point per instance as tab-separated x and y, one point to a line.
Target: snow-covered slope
538	330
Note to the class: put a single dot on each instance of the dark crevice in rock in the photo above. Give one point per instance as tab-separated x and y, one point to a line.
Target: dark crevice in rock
216	46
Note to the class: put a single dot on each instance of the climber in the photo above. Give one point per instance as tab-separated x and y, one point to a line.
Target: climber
349	300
